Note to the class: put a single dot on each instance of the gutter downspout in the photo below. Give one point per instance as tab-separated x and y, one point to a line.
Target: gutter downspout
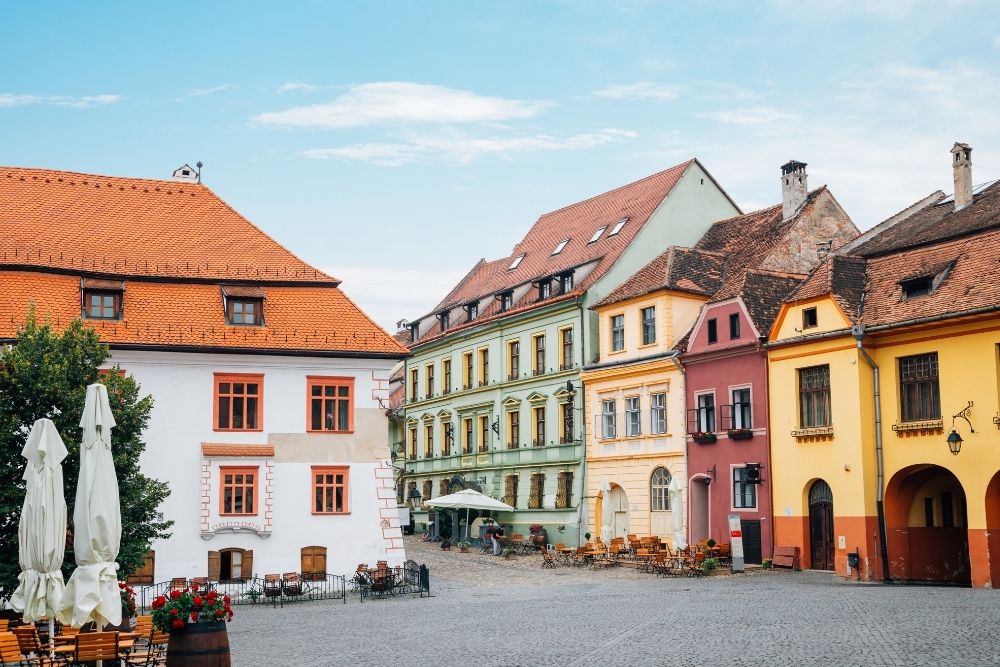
676	359
762	349
858	331
583	424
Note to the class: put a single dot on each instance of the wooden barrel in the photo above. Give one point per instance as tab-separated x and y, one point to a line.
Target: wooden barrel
199	645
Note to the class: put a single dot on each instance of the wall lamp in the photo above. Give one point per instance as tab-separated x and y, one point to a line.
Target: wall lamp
955	438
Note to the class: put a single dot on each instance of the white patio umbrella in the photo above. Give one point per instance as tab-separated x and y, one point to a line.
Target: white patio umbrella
41	533
92	590
606	511
676	489
469	500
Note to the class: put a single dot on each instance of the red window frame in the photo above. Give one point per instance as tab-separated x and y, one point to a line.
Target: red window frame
325	484
238	486
232	379
324	384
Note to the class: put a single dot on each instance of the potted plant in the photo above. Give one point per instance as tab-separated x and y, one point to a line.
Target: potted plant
538	535
710	564
703	437
463	546
767	564
127	594
739	433
196	621
586	536
710	543
446	544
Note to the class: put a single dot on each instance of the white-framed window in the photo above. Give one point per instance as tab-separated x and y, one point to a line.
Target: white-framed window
597	234
741	412
658	413
617	333
517	261
659	494
560	246
705	413
744	493
632	422
618	227
608	419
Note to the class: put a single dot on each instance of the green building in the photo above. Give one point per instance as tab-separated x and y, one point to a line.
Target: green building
492	394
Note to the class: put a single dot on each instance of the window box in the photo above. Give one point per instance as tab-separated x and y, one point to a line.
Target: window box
703	438
818	432
739	433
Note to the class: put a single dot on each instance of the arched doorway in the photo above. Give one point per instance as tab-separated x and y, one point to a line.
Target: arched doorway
821	547
618	507
993	529
698	508
927	526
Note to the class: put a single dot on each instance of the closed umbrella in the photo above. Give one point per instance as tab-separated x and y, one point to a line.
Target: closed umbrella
606	511
469	499
676	489
92	591
42	531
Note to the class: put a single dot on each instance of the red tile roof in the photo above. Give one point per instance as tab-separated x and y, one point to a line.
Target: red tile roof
225	450
680	269
135	227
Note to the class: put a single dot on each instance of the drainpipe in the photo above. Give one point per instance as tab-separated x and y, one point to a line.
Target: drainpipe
762	349
583	424
676	359
858	331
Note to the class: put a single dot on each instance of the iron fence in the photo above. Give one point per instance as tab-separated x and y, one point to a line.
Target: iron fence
259	591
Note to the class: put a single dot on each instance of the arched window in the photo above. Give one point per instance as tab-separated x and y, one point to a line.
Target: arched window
820	493
659	496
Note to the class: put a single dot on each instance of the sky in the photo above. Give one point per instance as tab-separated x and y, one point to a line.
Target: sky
393	144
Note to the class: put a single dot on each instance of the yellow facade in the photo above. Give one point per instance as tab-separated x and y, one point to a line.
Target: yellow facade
940	508
621	462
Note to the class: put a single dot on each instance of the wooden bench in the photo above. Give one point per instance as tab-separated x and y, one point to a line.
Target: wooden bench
787	557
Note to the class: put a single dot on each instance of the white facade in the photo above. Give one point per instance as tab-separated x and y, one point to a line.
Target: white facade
183	387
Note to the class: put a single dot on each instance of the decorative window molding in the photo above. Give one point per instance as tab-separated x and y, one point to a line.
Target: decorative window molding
239	402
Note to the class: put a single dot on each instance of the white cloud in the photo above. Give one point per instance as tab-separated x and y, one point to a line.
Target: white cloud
464	150
16	100
640	90
295	87
751	116
402	102
201	92
379	291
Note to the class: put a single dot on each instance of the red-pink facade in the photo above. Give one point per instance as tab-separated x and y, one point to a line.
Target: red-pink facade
717	487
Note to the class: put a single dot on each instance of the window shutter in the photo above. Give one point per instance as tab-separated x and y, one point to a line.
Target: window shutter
319	560
214	566
307	559
561	491
247	568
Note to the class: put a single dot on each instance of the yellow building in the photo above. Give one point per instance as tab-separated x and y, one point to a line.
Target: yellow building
634	394
909	482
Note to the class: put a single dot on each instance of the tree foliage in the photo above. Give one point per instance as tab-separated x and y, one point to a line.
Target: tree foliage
45	374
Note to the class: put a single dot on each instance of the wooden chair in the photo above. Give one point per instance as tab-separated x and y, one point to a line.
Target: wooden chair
694	566
155	652
4	625
10	650
291	584
143	625
29	643
93	646
272	585
201	583
548	560
178	584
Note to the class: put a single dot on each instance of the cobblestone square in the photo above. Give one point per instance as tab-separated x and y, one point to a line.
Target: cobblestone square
488	611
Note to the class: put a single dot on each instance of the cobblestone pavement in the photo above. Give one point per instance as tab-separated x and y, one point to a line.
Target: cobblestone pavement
488	611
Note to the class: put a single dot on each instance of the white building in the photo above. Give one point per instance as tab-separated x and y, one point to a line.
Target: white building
270	385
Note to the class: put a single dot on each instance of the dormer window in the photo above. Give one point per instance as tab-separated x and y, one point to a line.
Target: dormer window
414	332
597	234
559	247
618	227
506	301
244	305
544	288
102	299
444	318
516	263
566	282
915	288
472	309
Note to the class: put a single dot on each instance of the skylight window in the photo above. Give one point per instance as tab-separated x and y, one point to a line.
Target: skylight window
618	227
597	234
516	262
559	248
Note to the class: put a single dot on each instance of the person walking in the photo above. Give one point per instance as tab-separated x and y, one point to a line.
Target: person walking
497	534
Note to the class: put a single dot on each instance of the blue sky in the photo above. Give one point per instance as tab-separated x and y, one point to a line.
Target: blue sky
395	143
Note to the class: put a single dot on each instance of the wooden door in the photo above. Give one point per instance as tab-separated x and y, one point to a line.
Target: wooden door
752	552
313	563
214	566
821	548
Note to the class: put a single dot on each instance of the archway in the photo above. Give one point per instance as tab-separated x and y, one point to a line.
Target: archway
617	501
927	526
698	507
993	528
821	546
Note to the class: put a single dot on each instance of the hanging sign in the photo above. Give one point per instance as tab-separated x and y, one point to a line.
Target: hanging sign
736	542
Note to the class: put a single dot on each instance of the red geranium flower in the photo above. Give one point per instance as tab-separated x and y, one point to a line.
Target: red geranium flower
194	588
197	601
178	624
194	616
225	598
174	595
159	602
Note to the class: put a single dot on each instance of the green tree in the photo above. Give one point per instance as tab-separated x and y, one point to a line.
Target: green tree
45	374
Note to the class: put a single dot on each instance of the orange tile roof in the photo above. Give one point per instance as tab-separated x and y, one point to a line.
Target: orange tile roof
221	449
135	227
312	318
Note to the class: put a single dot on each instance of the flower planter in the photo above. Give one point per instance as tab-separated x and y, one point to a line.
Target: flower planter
704	438
199	645
740	434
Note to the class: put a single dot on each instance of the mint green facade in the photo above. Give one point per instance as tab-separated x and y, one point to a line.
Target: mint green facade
549	467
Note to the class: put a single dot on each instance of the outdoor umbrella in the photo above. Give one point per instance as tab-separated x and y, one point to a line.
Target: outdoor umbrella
606	511
92	591
675	489
42	531
469	500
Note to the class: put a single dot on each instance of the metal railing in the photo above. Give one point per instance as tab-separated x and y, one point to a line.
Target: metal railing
259	591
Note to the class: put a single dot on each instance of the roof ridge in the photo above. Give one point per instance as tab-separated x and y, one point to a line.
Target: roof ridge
108	176
685	165
778	274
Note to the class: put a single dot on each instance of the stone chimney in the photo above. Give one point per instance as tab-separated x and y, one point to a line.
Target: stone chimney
794	188
961	165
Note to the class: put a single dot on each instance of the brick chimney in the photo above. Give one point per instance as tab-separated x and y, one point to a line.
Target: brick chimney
794	188
961	165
